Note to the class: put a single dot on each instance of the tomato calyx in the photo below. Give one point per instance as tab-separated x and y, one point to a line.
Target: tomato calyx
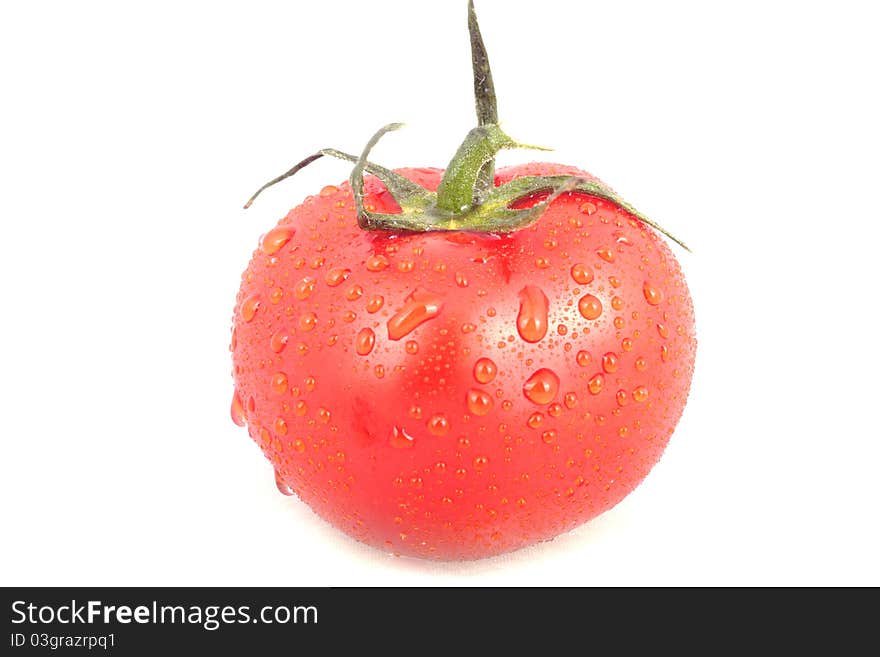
467	198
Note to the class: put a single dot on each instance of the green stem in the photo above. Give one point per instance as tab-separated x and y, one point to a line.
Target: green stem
485	100
456	191
467	198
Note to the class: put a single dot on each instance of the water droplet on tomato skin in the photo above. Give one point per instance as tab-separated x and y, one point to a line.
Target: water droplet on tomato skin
279	383
606	254
582	274
336	277
308	321
535	420
479	402
279	340
438	425
595	384
354	293
588	208
541	387
653	296
375	303
640	394
461	280
419	307
485	370
237	411
328	190
249	308
590	307
275	239
377	263
531	322
610	362
400	439
283	488
365	341
584	358
303	290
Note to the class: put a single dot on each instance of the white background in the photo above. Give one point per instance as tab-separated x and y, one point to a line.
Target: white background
132	133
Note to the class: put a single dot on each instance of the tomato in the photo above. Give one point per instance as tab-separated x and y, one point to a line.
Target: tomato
454	394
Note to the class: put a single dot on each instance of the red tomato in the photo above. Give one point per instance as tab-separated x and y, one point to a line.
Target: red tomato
454	395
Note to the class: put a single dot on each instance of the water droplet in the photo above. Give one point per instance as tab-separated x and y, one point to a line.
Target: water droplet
377	263
375	303
542	386
584	358
336	276
653	296
479	402
535	420
412	347
664	353
554	409
549	436
616	303
588	208
379	371
481	462
415	412
622	398
461	280
627	344
571	400
531	322
405	266
310	382
323	415
610	362
303	290
283	488
365	341
419	307
307	322
468	328
400	439
236	410
280	426
354	293
300	408
641	364
328	190
276	238
279	383
542	263
276	295
299	445
582	274
438	425
595	384
640	394
249	308
590	307
485	370
606	254
662	330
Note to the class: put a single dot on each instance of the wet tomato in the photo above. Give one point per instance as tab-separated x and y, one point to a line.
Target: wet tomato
454	364
455	395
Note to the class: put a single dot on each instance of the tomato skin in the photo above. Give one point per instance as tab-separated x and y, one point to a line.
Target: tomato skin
417	392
